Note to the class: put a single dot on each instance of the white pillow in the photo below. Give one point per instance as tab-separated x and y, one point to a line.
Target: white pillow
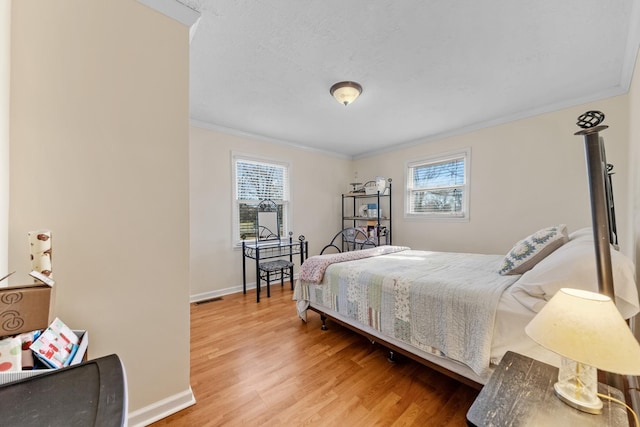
582	234
573	265
531	250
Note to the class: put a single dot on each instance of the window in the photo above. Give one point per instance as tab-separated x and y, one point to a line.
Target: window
254	180
438	187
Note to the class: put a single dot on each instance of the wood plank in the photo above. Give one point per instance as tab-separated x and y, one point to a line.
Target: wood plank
520	393
259	364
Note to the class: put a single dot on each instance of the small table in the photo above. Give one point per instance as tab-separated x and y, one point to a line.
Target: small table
520	393
285	248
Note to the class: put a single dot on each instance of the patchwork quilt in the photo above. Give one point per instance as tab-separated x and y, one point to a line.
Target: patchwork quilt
442	303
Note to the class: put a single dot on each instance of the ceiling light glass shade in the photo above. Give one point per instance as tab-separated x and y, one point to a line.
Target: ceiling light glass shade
588	331
346	92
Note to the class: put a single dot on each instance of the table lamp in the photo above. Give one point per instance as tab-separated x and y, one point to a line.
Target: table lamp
588	331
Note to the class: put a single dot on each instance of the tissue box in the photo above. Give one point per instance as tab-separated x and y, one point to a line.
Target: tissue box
24	308
80	356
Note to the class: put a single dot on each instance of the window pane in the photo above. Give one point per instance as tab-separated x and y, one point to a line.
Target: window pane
258	181
437	201
438	187
439	175
248	216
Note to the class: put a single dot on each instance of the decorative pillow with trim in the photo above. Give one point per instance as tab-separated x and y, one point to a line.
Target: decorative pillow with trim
533	249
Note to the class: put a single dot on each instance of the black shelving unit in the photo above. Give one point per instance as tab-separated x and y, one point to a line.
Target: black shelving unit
381	222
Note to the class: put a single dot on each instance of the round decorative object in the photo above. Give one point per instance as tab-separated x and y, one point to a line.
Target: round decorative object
590	119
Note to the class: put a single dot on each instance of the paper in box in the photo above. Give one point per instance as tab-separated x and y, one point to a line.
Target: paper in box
24	308
79	357
56	346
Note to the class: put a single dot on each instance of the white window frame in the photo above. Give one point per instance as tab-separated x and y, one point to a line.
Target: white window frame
463	215
236	240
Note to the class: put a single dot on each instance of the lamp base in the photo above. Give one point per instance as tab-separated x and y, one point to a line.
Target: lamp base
568	396
577	386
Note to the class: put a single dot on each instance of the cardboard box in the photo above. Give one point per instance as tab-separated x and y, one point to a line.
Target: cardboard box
81	355
24	308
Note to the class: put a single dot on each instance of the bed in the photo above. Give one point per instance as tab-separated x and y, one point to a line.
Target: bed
460	313
455	312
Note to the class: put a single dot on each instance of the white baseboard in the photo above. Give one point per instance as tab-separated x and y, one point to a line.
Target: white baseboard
161	409
172	404
222	292
219	292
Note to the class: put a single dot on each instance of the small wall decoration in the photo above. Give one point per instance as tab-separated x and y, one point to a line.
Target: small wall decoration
40	248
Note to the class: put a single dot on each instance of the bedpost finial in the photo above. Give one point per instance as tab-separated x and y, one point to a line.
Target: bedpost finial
590	119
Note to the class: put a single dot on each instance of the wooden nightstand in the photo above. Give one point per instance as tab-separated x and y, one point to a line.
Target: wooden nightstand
520	393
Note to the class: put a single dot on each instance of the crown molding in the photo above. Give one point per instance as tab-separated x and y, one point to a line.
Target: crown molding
176	11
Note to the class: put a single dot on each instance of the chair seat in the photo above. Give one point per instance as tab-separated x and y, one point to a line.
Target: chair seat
275	265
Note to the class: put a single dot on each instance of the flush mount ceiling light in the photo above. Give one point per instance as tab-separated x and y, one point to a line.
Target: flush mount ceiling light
346	92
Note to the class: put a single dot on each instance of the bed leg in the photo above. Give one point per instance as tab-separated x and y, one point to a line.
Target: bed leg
392	357
324	322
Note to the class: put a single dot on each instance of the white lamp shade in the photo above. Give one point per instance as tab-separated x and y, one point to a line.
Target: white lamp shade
588	328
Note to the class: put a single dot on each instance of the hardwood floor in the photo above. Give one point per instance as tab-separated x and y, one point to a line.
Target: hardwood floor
259	364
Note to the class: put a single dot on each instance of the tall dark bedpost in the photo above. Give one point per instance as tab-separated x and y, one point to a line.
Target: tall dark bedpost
597	174
596	171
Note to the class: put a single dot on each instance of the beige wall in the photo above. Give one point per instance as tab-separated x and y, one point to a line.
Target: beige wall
634	175
99	155
525	175
5	68
317	181
634	158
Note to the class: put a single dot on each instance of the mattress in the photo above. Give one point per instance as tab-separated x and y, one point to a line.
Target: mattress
374	295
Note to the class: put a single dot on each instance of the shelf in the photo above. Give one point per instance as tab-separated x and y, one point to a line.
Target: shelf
364	242
381	224
364	218
363	196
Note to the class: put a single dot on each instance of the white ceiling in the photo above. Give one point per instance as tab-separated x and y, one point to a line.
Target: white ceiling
428	68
